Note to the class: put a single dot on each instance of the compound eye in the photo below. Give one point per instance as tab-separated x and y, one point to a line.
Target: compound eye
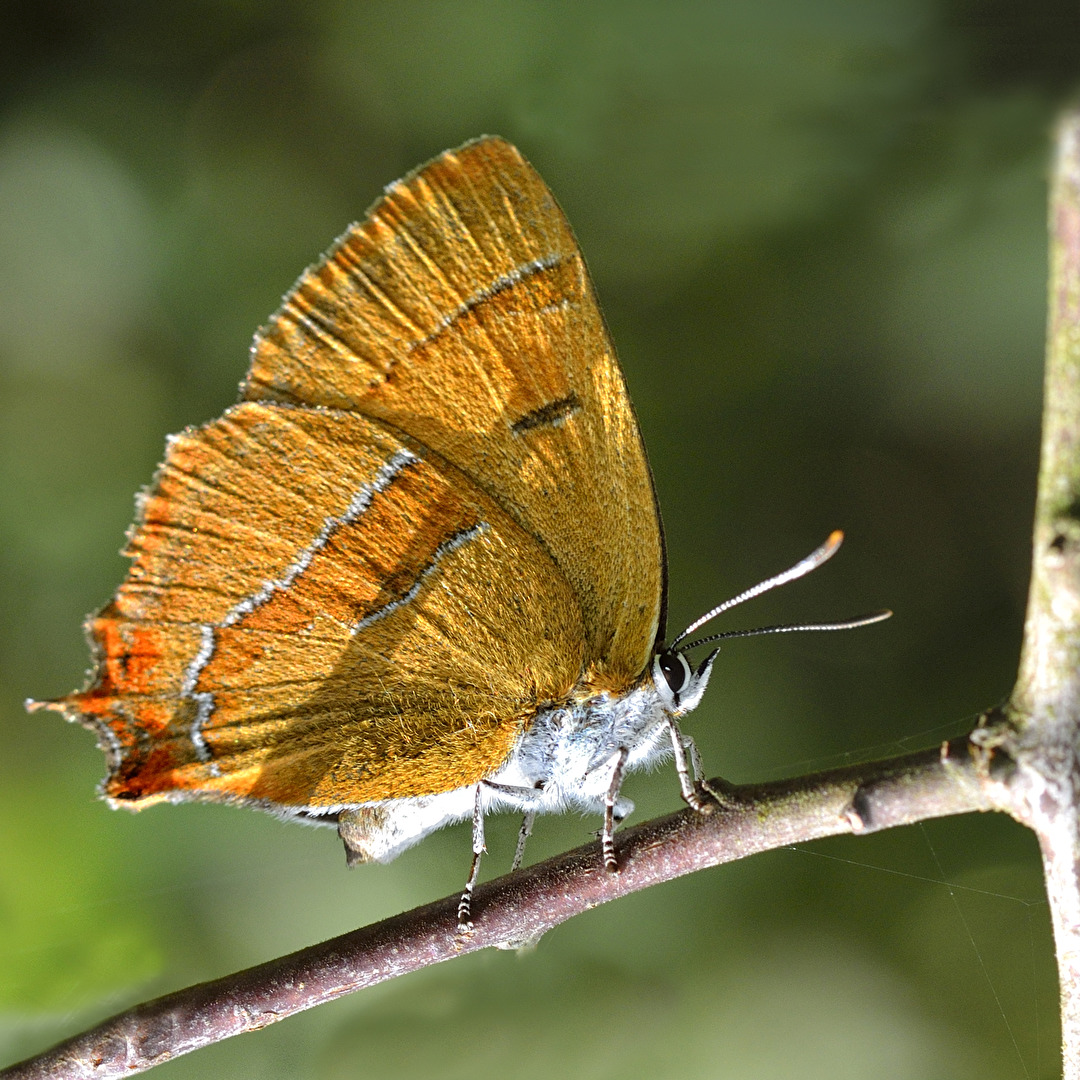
675	669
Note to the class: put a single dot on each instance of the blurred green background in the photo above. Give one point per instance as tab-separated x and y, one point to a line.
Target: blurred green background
817	231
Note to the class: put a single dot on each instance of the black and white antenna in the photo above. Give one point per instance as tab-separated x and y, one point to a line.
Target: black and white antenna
803	567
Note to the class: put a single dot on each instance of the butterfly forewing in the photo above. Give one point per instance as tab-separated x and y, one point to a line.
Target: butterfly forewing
461	312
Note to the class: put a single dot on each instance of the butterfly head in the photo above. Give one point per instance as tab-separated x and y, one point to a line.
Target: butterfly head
679	686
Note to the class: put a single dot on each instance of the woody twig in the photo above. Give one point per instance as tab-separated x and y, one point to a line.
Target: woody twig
517	909
1043	730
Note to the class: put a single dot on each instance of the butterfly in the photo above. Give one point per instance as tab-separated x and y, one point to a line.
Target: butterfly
417	573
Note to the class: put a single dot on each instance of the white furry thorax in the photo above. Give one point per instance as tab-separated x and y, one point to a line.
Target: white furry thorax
564	760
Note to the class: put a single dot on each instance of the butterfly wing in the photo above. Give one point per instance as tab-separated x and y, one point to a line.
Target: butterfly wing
460	311
321	612
430	515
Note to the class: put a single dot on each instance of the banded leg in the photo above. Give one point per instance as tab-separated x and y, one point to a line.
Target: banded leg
524	833
464	911
692	776
607	842
522	796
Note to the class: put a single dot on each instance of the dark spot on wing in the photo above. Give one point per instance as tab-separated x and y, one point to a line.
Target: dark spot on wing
550	415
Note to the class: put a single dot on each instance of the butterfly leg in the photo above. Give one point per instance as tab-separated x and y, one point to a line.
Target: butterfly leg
516	795
524	833
607	842
520	797
719	789
693	784
464	911
689	786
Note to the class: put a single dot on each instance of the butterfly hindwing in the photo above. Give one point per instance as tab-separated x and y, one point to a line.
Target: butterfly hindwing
346	647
